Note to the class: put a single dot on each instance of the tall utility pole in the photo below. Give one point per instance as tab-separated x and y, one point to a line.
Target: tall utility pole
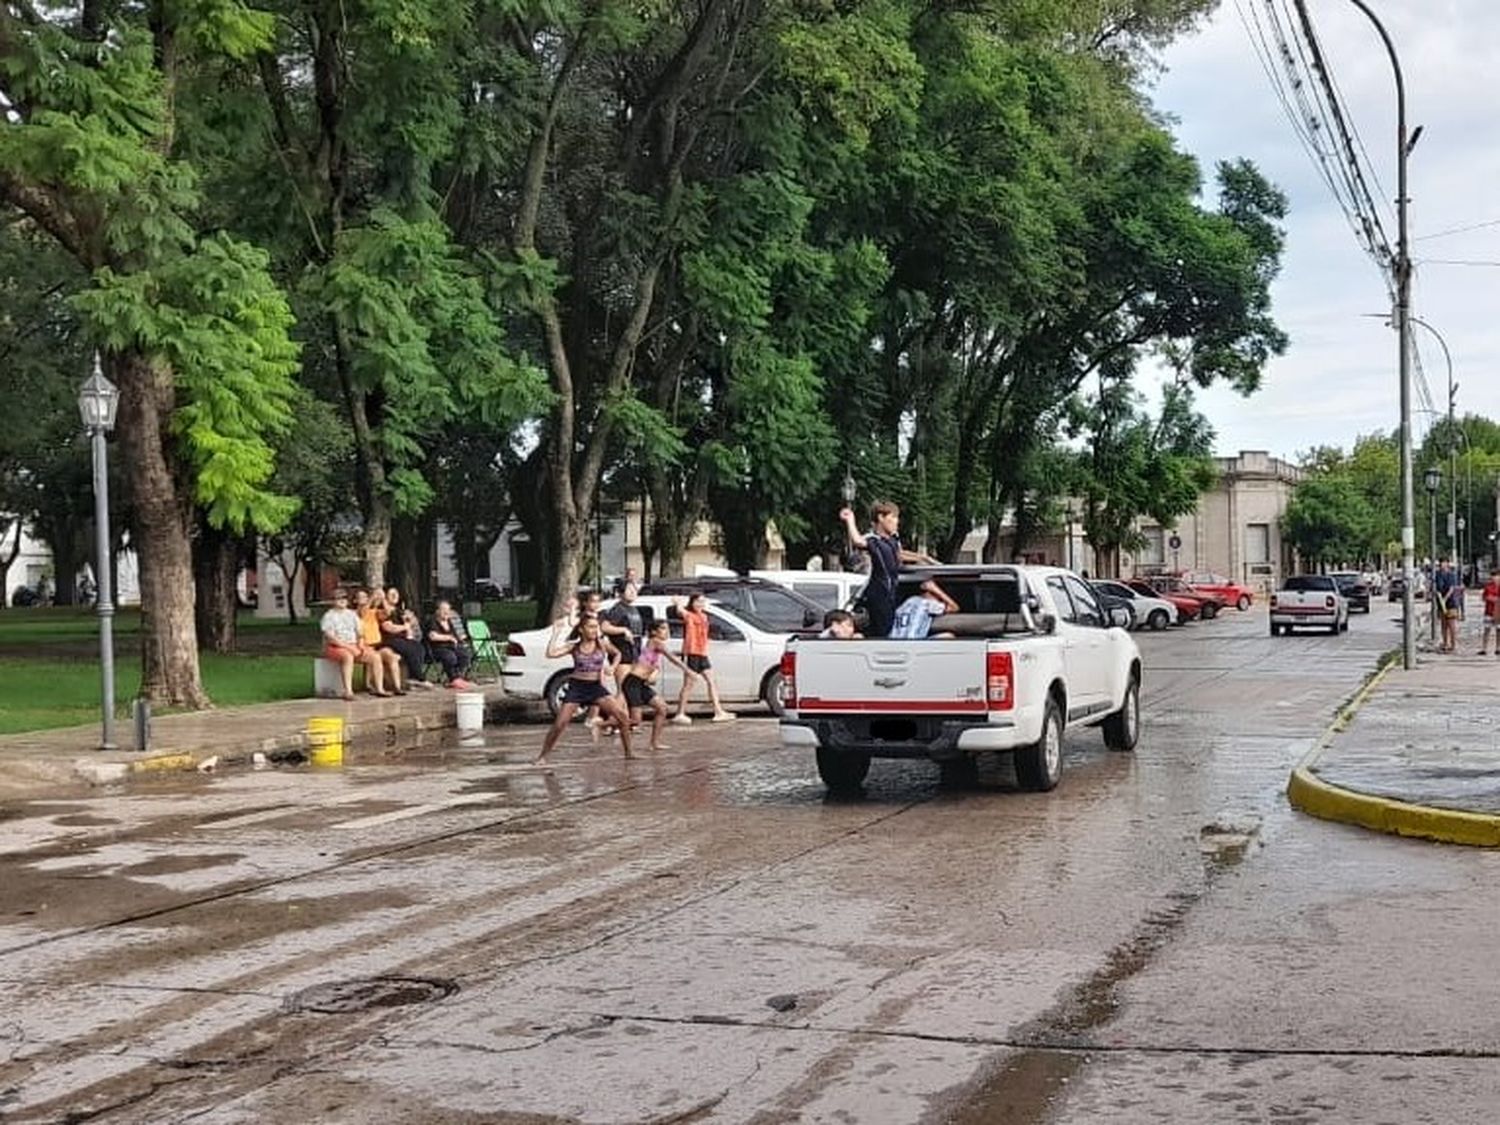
1403	331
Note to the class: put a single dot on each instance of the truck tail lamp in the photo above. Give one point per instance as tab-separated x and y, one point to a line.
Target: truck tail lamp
999	681
789	678
1273	601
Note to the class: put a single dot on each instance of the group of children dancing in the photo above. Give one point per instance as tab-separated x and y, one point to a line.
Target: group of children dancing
618	645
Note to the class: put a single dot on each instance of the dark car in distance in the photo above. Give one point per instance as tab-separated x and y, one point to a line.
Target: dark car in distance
766	604
1352	586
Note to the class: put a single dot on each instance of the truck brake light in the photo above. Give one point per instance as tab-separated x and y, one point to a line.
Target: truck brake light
789	679
999	681
1273	601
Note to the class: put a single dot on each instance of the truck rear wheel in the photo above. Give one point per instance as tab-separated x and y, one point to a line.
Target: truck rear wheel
841	772
1039	766
1122	730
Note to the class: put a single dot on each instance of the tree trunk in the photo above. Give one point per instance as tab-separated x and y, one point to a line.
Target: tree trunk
67	543
169	646
7	559
291	584
404	569
216	566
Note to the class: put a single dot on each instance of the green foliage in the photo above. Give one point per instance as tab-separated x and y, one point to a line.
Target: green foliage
1329	522
214	316
424	339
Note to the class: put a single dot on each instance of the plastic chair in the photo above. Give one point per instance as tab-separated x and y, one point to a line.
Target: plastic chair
486	650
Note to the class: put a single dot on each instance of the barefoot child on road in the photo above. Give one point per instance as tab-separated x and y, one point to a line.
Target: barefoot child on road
590	653
695	656
639	690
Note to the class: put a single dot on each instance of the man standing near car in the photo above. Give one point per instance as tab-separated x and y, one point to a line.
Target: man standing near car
886	557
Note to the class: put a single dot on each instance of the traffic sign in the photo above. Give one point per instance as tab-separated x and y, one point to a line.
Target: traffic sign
1175	542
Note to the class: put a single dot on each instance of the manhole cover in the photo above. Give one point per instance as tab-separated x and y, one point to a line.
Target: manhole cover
364	993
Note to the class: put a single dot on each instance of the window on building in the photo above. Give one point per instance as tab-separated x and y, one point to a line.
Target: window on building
1150	553
1257	543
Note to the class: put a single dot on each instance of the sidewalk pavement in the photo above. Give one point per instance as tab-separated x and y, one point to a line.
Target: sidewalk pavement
231	737
1415	753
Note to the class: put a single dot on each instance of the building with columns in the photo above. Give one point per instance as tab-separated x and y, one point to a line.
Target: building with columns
1236	529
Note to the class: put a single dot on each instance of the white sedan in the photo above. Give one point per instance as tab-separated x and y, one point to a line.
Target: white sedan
746	659
1149	613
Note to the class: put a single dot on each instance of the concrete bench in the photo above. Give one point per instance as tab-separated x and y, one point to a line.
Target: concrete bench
326	682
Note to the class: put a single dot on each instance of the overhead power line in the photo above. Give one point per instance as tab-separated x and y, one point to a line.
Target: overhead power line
1458	230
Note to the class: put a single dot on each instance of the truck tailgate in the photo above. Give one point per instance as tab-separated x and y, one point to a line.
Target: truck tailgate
926	676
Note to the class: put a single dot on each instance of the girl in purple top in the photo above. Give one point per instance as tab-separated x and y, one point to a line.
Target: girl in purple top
590	652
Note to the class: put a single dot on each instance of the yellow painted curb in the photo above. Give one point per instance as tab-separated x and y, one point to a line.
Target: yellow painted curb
1316	797
164	762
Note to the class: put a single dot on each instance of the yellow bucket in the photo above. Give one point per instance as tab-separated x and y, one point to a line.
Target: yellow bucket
325	741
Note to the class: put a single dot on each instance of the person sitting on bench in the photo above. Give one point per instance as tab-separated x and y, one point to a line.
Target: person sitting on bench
342	645
448	642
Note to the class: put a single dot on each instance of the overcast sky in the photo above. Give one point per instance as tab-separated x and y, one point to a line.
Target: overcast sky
1338	378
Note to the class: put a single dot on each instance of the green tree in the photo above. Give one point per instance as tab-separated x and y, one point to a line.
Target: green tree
1329	522
195	332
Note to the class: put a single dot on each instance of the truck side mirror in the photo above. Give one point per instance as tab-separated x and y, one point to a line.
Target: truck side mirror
1119	617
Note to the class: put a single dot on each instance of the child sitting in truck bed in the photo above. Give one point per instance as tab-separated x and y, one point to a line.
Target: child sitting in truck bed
914	616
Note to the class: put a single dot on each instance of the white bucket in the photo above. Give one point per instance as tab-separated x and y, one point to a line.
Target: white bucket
470	710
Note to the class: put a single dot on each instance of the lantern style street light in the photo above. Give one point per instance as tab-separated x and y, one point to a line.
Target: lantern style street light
98	399
850	489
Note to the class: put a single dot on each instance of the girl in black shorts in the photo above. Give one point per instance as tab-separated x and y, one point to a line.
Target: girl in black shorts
639	689
590	652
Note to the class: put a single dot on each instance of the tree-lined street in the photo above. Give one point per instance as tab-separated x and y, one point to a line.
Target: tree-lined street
460	937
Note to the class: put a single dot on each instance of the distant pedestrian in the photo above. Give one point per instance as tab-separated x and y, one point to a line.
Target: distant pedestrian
1491	595
591	652
1446	593
694	614
883	544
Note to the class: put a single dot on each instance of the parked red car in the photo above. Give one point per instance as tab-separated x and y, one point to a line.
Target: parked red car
1232	593
1188	608
1170	584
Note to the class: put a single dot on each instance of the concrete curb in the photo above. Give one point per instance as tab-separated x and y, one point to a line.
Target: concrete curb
1316	797
364	738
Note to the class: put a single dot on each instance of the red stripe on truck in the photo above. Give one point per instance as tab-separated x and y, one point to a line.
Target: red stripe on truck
894	705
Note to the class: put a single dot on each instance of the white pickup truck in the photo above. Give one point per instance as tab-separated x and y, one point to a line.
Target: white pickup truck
1306	601
1029	654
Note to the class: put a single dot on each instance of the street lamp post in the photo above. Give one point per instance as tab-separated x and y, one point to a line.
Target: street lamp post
1452	426
1403	328
1432	480
98	400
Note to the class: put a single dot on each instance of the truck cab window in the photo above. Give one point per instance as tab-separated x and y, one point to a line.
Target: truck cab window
1059	591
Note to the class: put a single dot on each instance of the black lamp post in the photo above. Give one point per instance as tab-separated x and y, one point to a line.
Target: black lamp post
98	400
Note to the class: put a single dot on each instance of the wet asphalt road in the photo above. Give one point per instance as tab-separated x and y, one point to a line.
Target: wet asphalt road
703	937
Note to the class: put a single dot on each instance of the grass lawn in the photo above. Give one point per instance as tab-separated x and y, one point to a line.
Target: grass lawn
49	663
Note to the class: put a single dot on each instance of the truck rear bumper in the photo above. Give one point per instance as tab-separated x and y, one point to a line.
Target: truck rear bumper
902	738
